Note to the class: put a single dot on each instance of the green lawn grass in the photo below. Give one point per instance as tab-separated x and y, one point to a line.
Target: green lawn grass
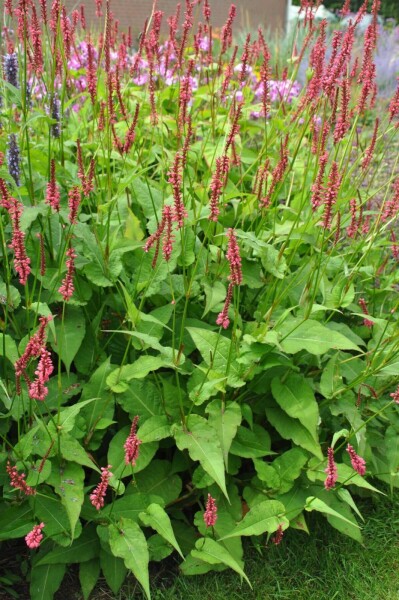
323	566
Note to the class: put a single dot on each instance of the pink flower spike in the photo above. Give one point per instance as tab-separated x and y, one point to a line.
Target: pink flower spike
132	444
358	463
211	512
34	537
395	395
17	480
98	495
278	536
37	389
331	470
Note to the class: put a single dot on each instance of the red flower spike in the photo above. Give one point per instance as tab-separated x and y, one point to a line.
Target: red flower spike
98	495
132	444
211	512
331	470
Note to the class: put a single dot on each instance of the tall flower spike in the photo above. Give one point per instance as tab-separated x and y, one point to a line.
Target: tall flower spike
331	470
175	179
73	203
233	256
52	192
13	158
67	287
34	537
358	463
363	306
10	67
55	113
211	512
132	444
37	389
395	395
98	495
278	536
334	183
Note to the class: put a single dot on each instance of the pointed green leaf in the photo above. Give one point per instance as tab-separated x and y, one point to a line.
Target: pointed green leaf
113	569
292	429
265	516
225	420
310	335
84	548
213	553
156	517
154	429
128	542
89	572
69	335
202	444
296	398
313	503
68	482
45	581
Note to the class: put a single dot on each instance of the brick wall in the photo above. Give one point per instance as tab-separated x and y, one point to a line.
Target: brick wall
250	13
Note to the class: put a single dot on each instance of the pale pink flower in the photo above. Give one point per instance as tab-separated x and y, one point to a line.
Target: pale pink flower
17	480
98	495
34	537
358	463
132	444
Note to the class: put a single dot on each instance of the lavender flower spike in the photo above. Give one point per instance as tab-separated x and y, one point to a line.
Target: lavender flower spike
56	115
10	66
13	158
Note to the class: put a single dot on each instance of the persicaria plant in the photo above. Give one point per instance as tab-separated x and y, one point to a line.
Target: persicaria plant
199	288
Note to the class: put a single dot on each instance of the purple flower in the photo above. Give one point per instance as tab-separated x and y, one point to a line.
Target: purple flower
10	65
13	158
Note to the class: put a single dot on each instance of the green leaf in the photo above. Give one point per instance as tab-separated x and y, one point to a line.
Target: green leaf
202	444
68	482
8	348
15	521
95	389
89	572
215	293
119	378
159	479
113	569
289	467
85	548
68	415
212	344
292	429
265	516
313	503
156	517
213	553
225	420
312	336
272	261
129	506
331	379
128	542
251	443
69	335
154	429
50	511
142	399
296	398
45	581
73	451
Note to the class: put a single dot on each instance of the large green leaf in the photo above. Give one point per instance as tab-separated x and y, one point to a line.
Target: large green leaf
216	350
251	443
156	517
310	335
68	482
113	569
225	419
85	548
96	389
69	335
15	521
292	429
129	506
127	541
159	479
142	399
67	416
289	467
313	503
50	511
213	553
71	450
265	516
89	572
119	379
45	581
296	398
8	348
154	429
201	441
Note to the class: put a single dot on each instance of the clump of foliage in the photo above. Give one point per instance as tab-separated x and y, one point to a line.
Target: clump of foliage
199	295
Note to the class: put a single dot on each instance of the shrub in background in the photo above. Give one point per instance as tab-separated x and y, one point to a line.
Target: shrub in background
199	291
